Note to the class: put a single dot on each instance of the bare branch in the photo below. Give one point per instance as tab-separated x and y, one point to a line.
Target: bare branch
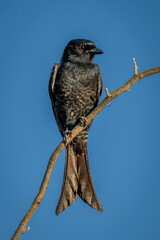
126	87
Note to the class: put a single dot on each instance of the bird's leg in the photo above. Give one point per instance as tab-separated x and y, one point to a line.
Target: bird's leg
83	121
67	134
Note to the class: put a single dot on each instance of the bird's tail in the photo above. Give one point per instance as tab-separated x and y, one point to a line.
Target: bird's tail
77	178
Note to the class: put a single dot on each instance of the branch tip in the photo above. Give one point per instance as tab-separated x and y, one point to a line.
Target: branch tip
107	92
127	90
135	67
26	230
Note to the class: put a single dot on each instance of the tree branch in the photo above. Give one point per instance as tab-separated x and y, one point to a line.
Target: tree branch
125	88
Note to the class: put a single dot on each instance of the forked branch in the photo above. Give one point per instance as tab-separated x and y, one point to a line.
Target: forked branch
125	88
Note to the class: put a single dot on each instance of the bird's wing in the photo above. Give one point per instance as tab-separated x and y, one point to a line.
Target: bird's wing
52	81
51	89
99	85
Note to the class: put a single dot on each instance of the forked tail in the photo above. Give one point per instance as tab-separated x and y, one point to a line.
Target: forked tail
77	179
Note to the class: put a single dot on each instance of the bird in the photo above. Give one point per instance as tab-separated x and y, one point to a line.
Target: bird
75	86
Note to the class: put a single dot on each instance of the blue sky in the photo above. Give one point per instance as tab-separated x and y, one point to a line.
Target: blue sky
124	141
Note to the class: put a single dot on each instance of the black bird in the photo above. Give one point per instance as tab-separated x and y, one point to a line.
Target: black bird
75	87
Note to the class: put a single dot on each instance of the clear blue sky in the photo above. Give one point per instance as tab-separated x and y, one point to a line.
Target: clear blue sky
124	141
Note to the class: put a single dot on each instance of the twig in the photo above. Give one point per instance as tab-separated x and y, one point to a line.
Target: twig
126	87
26	230
135	67
107	92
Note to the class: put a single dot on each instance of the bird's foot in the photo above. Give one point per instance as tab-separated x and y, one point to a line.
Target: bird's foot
67	136
83	121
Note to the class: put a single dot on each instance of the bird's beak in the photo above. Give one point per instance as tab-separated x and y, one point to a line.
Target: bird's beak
95	51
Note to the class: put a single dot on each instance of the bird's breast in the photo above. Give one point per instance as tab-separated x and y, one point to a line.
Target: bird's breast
75	92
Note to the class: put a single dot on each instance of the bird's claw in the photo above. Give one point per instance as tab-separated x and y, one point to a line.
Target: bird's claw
83	121
67	136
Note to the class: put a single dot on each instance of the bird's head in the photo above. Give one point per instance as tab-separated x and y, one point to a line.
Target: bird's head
80	50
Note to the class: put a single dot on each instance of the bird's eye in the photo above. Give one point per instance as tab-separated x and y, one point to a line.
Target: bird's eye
81	48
